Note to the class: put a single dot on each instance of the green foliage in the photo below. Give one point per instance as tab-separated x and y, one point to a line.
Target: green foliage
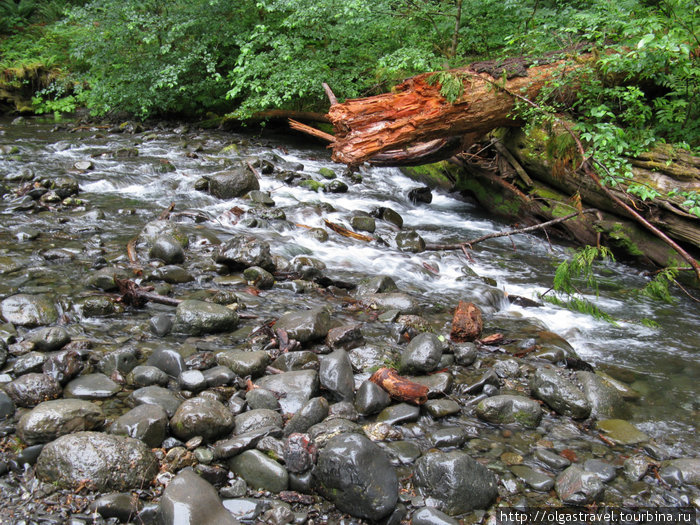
572	276
658	288
451	86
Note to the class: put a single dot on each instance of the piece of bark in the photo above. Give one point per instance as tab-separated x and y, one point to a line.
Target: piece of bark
467	323
400	388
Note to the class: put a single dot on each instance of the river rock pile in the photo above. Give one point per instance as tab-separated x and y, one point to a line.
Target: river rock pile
251	400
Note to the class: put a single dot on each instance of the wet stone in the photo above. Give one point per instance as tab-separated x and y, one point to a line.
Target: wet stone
551	459
447	437
357	476
389	215
31	389
123	361
465	353
299	360
29	310
244	363
257	419
606	400
299	453
533	478
260	398
147	375
363	223
55	418
314	411
432	516
242	252
149	423
621	432
108	462
439	384
201	416
91	386
454	483
401	302
345	337
118	505
422	354
305	326
410	241
29	362
244	509
161	324
172	274
688	469
63	365
192	380
439	408
190	500
605	471
402	452
168	249
227	448
260	471
219	376
559	393
378	284
299	386
199	317
575	486
636	467
506	368
49	339
336	375
168	360
155	395
97	306
7	407
371	399
503	409
399	413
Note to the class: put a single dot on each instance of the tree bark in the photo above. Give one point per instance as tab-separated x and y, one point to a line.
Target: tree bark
416	112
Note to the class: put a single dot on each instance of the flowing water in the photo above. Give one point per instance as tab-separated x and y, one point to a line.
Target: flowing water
121	194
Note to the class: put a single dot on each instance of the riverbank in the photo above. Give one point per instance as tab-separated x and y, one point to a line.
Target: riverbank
176	378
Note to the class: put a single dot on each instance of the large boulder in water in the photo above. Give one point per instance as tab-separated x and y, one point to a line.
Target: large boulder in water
561	394
305	326
356	475
242	252
29	310
52	419
233	183
455	483
199	317
108	462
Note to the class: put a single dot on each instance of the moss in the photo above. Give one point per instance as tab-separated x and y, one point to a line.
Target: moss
311	184
437	175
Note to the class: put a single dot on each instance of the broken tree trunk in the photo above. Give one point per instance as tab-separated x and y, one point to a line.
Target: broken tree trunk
416	112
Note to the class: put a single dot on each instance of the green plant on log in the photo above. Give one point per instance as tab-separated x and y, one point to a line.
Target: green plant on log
570	279
451	84
658	287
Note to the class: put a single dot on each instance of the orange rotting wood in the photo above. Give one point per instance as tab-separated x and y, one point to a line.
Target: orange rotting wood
399	387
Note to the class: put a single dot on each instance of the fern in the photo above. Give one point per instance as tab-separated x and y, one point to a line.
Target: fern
658	288
451	86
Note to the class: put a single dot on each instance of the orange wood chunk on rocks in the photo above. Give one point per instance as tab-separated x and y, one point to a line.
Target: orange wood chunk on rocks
467	323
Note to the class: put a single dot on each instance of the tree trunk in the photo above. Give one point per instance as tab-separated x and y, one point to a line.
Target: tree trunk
416	112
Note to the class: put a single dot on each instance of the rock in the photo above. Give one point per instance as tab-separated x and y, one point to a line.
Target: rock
327	173
29	362
31	389
467	323
84	165
421	355
122	361
260	471
299	453
575	486
227	448
454	483
97	306
438	408
259	398
389	215
432	516
345	337
605	471
410	241
161	324
336	186
122	506
167	249
172	274
147	375
63	366
91	386
257	419
242	252
363	223
636	467
447	437
219	376
155	395
621	432
149	423
399	413
107	462
299	386
168	360
244	363
371	399
29	310
199	317
420	195
233	183
605	400
559	393
503	409
314	411
49	339
465	353
378	284
534	478
551	459
357	476
299	360
305	326
189	500
259	277
403	303
687	468
336	376
438	383
55	418
201	416
7	407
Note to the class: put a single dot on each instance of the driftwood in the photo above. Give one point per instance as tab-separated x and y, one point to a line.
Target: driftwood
399	387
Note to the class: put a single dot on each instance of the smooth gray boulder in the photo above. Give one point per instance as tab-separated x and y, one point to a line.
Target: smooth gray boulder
421	355
201	416
297	386
149	423
199	317
107	462
576	486
233	183
503	409
29	310
190	500
242	252
336	375
31	389
305	326
561	394
356	475
455	483
52	419
260	471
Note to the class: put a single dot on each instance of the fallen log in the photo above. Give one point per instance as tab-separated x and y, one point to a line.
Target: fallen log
400	388
416	111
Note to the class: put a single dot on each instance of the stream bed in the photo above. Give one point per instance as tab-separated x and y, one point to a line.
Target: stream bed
75	196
